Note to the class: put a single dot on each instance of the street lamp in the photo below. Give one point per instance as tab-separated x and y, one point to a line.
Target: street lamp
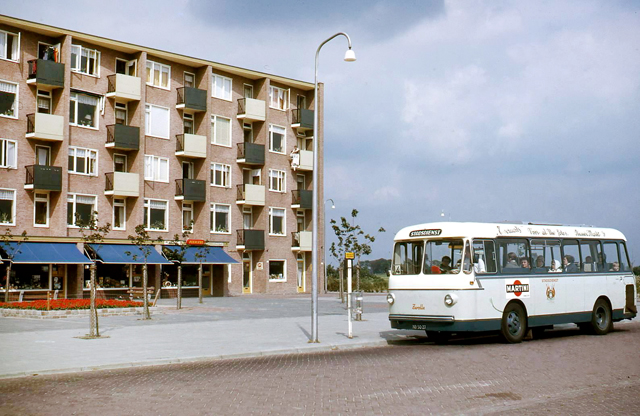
333	206
349	56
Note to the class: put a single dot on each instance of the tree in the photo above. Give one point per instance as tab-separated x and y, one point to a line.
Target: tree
93	234
177	254
11	250
145	246
201	255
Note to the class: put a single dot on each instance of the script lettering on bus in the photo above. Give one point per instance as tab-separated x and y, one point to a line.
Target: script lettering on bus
419	307
562	233
507	231
425	233
589	233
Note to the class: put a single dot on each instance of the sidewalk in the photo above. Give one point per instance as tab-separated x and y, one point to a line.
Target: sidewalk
219	328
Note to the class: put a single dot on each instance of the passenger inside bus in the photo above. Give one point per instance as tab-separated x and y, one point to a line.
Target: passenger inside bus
569	264
615	267
540	265
555	267
524	262
445	265
512	261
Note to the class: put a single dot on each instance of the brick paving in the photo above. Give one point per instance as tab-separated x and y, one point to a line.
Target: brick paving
565	372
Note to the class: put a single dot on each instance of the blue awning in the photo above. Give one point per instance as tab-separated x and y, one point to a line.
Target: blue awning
47	253
126	254
212	255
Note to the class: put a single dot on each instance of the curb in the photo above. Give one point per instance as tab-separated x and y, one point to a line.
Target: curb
153	363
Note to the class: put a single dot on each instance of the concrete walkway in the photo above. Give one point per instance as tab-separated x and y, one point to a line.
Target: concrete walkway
219	328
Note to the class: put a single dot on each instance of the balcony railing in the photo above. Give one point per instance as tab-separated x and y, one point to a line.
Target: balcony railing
250	239
191	190
123	87
31	123
250	109
43	178
301	240
302	199
122	184
191	145
42	126
123	137
46	74
108	186
193	99
250	153
302	119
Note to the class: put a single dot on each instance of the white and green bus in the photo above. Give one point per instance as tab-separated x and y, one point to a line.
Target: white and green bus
451	277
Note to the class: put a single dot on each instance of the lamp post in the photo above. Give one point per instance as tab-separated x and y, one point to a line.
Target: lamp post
333	206
349	56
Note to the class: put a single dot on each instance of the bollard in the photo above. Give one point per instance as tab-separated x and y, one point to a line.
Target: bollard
48	300
358	298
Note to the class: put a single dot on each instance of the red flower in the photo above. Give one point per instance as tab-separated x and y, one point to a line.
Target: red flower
67	304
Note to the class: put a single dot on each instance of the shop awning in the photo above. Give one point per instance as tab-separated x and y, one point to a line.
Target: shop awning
126	254
47	253
212	255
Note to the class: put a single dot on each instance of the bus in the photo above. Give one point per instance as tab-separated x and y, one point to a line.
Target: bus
453	277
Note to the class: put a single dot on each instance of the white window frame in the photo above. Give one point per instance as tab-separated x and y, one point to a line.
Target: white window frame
212	213
284	139
284	221
284	271
123	205
274	94
75	66
153	171
148	119
87	157
16	103
159	67
45	96
215	80
121	107
147	208
5	163
36	199
15	50
187	207
73	101
126	162
225	175
12	221
74	199
214	131
281	179
184	78
189	117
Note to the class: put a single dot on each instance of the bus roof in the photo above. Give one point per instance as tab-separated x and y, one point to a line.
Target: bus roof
493	230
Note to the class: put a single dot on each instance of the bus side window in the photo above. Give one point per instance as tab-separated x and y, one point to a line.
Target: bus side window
589	252
466	262
609	256
570	253
484	256
624	258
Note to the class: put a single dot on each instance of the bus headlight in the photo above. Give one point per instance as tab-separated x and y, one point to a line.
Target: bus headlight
450	299
390	298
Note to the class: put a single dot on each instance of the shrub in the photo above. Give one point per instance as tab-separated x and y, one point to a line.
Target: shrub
68	304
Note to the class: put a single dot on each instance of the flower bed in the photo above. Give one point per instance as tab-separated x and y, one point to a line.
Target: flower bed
70	304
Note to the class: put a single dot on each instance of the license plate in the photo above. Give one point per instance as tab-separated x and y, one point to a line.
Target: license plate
418	326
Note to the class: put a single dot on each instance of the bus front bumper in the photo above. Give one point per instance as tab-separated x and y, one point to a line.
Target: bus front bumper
442	323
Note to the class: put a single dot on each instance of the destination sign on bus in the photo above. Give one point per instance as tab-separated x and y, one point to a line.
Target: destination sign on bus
425	233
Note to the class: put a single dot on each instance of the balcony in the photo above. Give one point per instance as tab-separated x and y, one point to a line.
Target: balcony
301	241
191	145
250	110
302	119
301	199
123	137
43	178
306	160
250	195
46	75
250	154
190	190
124	87
192	100
45	127
122	184
250	240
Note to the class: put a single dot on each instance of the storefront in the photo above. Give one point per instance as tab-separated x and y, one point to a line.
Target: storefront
37	268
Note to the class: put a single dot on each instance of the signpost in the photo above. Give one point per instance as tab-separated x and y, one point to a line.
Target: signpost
349	256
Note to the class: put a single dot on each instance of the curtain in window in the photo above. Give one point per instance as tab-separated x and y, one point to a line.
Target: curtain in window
89	200
223	130
157	204
10	154
158	122
3	45
148	167
6	194
162	173
75	52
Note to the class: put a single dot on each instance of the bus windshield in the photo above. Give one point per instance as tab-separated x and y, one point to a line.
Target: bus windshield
407	257
443	256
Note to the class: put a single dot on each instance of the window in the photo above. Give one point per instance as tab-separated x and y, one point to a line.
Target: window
277	138
220	218
221	131
7	206
85	60
221	175
247	91
41	210
8	99
156	168
44	102
614	257
126	67
119	214
570	256
9	46
277	271
514	256
8	153
277	180
589	252
221	87
189	80
442	256
277	221
278	98
83	161
187	217
187	122
119	162
407	257
545	256
83	110
156	121
155	214
80	209
247	129
158	74
122	114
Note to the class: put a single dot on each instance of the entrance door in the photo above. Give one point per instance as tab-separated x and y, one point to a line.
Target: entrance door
247	273
206	280
301	273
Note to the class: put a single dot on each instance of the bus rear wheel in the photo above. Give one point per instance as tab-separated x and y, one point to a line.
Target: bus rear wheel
514	323
601	322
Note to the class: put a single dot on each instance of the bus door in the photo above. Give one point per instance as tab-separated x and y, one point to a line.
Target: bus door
572	278
548	288
614	263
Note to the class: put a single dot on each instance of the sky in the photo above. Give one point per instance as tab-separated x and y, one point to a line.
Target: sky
481	110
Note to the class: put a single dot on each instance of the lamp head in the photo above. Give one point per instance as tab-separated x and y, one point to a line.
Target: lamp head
333	207
350	55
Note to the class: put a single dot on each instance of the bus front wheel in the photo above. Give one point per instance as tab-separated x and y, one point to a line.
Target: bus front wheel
514	323
601	322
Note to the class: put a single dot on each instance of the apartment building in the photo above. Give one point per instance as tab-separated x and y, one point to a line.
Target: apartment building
144	136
